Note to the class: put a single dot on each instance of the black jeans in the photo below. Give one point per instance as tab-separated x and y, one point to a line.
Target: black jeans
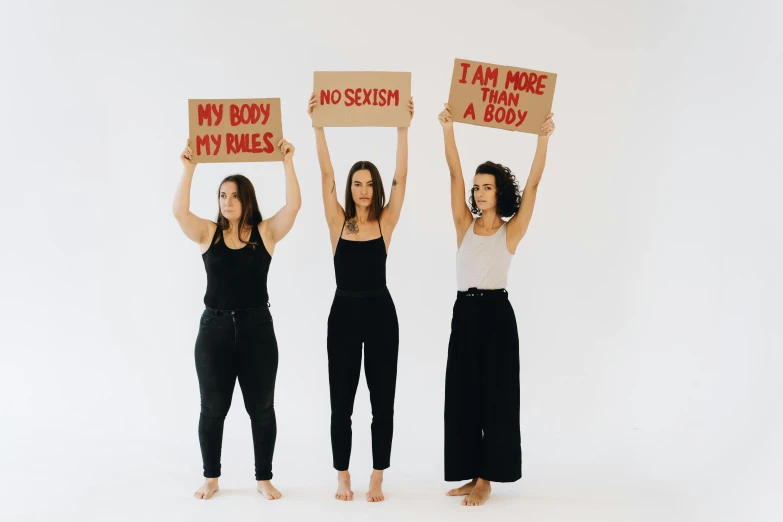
482	430
233	345
371	320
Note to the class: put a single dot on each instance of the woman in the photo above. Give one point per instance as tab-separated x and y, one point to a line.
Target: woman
236	338
482	432
362	310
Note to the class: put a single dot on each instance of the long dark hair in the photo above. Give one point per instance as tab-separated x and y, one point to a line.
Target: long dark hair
251	215
507	190
378	195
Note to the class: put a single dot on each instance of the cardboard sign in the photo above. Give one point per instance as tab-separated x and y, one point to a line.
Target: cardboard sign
361	99
499	96
240	130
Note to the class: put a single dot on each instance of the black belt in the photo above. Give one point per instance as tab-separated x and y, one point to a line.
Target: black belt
475	292
362	293
241	312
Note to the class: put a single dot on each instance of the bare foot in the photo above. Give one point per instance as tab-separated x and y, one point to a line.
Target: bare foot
343	486
376	479
462	490
479	495
270	492
206	491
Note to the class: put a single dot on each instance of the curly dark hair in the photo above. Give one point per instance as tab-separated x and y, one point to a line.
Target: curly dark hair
508	195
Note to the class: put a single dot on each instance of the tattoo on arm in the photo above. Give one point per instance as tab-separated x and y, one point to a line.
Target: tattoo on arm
331	191
352	226
394	183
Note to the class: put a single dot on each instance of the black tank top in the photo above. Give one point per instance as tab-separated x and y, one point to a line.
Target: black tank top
360	266
236	279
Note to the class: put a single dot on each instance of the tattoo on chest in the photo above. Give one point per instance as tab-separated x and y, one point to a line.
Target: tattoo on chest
352	226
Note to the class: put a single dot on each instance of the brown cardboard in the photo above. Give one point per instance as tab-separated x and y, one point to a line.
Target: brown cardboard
236	130
361	99
484	91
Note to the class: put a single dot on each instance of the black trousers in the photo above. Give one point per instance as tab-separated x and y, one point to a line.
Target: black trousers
355	320
482	430
233	345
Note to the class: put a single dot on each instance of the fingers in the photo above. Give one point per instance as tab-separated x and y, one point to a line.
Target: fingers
445	115
548	127
188	152
285	147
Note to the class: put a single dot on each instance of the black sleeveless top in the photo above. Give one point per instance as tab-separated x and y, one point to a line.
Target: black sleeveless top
236	279
360	266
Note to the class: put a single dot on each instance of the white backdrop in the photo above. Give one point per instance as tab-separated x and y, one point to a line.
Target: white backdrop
647	289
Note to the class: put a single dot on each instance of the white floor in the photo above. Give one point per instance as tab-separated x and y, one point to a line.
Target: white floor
145	489
63	475
128	461
169	498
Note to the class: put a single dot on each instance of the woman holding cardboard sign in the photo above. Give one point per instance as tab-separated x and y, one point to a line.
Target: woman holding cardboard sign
482	431
236	337
362	310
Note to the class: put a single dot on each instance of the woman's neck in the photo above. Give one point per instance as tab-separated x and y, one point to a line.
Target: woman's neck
489	218
362	214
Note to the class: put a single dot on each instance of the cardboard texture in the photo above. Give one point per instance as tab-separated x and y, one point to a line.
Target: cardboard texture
361	99
501	96
235	130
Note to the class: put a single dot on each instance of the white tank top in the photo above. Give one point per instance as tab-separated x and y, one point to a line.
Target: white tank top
483	261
